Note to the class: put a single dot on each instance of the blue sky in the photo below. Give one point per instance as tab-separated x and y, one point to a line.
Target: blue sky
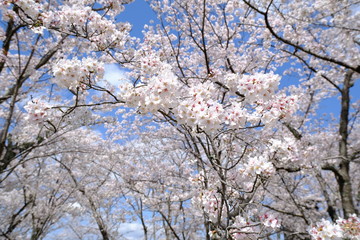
138	13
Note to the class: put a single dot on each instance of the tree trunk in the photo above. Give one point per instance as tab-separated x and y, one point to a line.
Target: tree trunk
343	178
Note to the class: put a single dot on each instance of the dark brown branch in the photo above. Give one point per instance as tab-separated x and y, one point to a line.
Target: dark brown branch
297	46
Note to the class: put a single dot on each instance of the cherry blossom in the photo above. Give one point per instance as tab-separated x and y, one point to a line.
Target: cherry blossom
221	130
72	73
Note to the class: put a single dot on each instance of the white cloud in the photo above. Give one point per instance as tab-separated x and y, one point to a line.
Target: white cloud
115	75
131	231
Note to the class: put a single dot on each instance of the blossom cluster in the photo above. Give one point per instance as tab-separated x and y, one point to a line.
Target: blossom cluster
242	229
246	229
76	18
236	115
286	148
197	104
280	107
116	5
255	87
38	111
150	64
350	227
82	21
210	202
268	220
342	229
199	108
158	93
258	166
72	73
258	86
32	8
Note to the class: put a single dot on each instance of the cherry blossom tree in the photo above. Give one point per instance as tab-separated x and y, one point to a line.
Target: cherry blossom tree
54	167
267	162
218	133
